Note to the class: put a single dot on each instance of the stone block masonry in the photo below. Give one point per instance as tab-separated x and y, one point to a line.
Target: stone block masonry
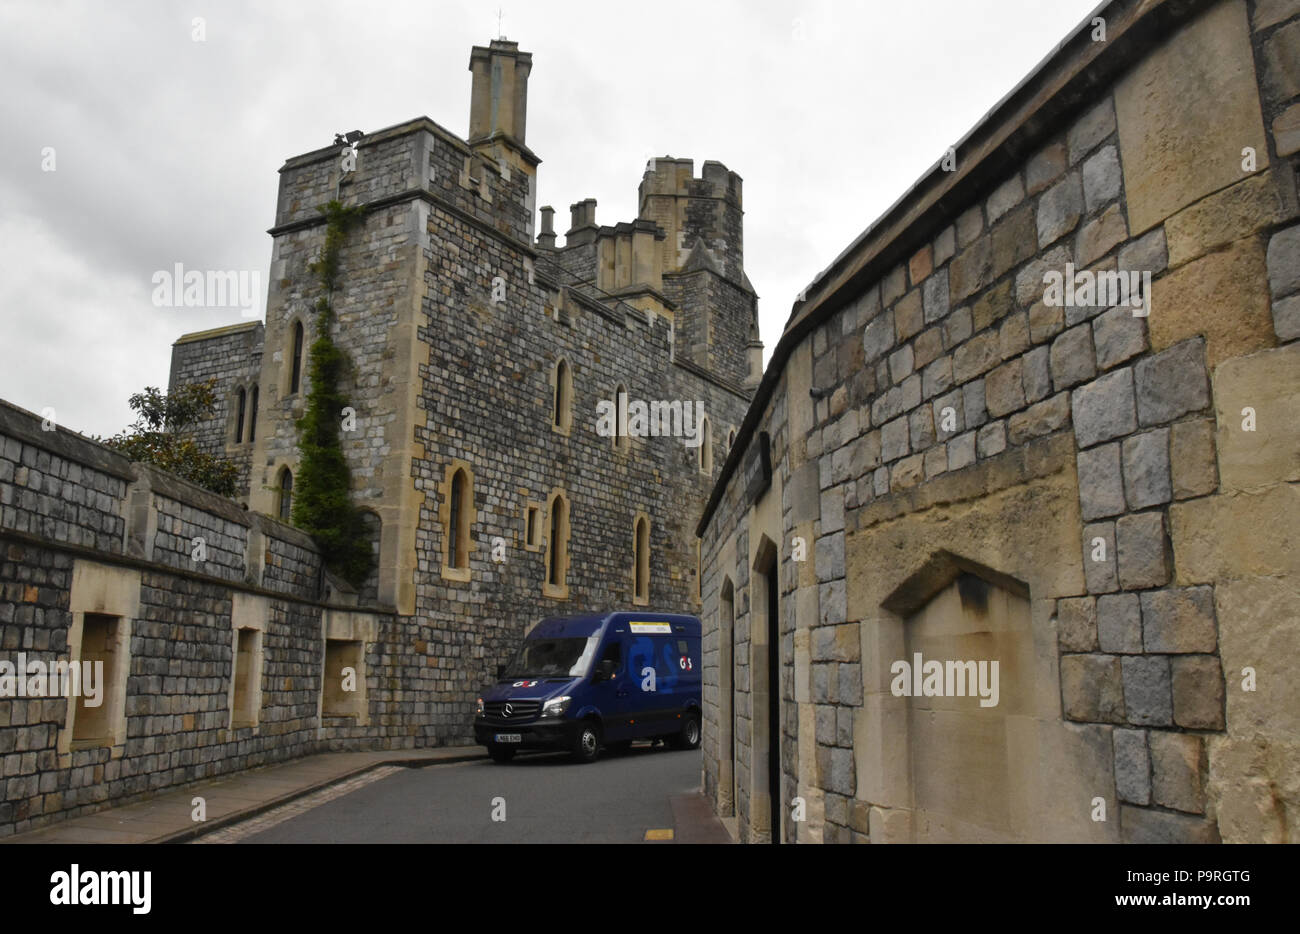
91	543
1103	501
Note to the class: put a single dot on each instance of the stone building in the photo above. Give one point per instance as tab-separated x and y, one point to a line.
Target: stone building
1040	415
480	350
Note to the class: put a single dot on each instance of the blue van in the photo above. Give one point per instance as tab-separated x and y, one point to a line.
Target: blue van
584	683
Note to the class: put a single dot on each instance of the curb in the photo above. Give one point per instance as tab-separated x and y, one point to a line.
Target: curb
189	833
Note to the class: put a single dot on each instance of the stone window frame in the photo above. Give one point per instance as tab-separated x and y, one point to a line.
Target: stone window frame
620	442
253	396
339	625
281	513
247	613
706	446
558	549
641	557
99	589
562	397
699	571
538	510
466	516
239	412
294	355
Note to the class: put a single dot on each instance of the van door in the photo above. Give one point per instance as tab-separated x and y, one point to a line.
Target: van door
612	698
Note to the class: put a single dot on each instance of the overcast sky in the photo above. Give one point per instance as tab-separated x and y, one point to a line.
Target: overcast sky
166	148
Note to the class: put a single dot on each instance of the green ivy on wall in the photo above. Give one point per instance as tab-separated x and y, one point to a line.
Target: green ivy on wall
322	500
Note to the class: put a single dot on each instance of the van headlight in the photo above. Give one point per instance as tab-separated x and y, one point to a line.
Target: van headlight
479	711
556	706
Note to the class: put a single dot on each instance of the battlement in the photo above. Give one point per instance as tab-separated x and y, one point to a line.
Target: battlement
665	175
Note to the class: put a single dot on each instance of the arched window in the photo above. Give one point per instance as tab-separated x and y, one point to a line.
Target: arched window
562	410
620	418
641	559
731	440
286	494
458	521
295	372
252	417
557	547
706	446
240	404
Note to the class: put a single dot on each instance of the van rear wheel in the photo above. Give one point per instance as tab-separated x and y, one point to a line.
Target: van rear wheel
586	744
689	737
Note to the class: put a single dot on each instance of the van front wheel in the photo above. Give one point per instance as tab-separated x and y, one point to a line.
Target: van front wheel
586	745
689	737
501	753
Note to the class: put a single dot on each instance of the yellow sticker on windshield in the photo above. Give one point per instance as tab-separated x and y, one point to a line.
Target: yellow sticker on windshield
650	627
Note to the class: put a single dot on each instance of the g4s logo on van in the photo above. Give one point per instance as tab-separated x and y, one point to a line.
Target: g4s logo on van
525	684
685	663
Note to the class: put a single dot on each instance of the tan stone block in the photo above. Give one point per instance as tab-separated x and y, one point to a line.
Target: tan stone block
1223	295
1259	629
909	315
1172	155
891	825
1092	688
1254	788
1004	389
1286	131
1236	535
1269	383
1198	692
1227	215
921	264
907	473
1192	458
1101	235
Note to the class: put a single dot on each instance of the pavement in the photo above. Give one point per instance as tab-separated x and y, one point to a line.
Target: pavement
234	799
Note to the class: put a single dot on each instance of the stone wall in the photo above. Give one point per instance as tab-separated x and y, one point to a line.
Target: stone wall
233	357
937	416
83	531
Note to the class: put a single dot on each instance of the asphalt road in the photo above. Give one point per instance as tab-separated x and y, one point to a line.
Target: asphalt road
544	798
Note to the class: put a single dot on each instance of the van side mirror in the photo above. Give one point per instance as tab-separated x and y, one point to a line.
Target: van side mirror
604	670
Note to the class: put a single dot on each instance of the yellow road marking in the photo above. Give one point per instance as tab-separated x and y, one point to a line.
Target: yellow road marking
666	834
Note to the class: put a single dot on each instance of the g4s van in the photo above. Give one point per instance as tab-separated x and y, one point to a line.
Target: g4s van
584	683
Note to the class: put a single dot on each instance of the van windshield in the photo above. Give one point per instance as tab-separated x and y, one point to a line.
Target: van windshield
551	658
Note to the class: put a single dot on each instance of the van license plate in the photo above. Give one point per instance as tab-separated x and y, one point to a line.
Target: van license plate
508	738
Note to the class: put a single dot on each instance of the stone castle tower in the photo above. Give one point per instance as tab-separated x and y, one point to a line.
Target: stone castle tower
480	351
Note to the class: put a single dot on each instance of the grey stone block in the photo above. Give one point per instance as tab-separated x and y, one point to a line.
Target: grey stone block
1005	197
1104	409
830	557
973	404
992	439
878	336
1059	209
1148	696
1172	383
934	296
1099	559
1148	253
1284	262
1286	318
1036	375
1072	358
1132	766
894	440
1119	624
1093	127
1146	469
1101	178
1118	336
1142	550
1101	486
1179	620
961	451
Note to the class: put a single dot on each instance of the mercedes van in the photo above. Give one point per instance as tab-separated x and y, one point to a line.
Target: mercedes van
587	683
